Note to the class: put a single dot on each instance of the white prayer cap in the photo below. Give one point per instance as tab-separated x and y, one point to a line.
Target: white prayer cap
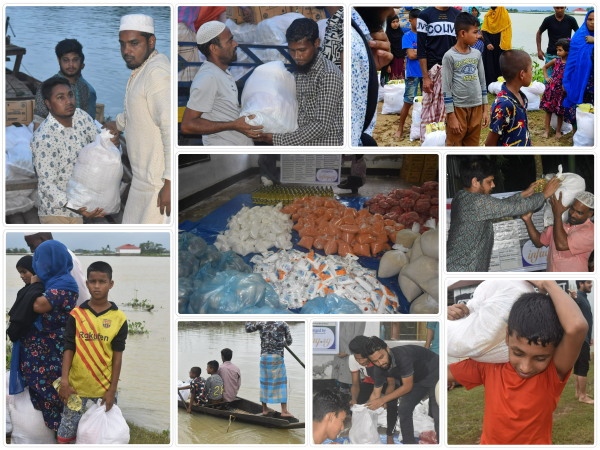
137	22
208	31
587	198
32	234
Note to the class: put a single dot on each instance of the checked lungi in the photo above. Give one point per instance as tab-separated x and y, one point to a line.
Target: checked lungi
273	379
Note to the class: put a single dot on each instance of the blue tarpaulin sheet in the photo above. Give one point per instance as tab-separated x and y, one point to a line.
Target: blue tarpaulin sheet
209	227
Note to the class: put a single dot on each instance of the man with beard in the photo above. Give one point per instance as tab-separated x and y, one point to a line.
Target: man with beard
146	121
55	146
213	109
471	234
319	91
69	54
415	370
370	51
570	246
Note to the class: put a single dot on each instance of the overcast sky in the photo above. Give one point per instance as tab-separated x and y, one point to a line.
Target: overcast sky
95	240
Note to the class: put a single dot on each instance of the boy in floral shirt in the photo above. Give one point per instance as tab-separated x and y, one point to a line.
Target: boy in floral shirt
197	387
508	124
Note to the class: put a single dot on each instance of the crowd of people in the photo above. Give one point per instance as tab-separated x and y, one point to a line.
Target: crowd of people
65	108
62	330
451	57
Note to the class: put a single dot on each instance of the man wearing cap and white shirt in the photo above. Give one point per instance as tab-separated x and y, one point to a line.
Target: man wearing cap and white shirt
213	109
570	246
34	240
146	120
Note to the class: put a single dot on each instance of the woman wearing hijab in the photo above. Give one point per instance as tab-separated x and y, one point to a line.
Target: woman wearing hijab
497	37
578	78
395	69
474	11
42	346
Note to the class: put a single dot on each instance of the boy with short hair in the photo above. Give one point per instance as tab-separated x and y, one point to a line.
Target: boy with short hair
463	85
508	125
544	336
95	338
214	383
330	407
414	76
198	393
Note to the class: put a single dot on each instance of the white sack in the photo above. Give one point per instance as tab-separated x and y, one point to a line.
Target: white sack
409	288
495	87
96	178
435	139
424	304
18	154
392	262
100	427
270	95
430	243
566	126
27	422
244	33
580	140
16	204
272	32
533	100
536	88
416	251
481	335
186	392
322	24
415	126
572	184
585	123
364	426
393	98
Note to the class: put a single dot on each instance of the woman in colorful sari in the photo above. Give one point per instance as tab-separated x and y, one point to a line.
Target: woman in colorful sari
497	37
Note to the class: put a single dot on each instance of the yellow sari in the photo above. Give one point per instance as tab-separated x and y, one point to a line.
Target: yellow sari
498	21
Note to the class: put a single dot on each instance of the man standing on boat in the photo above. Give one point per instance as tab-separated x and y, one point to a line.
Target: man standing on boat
274	336
146	120
69	53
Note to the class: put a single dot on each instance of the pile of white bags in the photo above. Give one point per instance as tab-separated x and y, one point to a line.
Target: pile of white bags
533	93
364	426
272	32
96	178
393	98
415	126
572	184
19	162
270	95
584	136
244	33
28	425
97	426
564	129
481	335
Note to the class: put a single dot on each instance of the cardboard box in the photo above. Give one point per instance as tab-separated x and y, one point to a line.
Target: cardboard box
428	175
413	166
413	158
430	165
410	176
260	13
20	111
311	12
432	159
100	112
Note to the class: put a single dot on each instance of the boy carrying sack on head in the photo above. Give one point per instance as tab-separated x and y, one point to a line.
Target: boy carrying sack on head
508	124
544	336
463	86
95	338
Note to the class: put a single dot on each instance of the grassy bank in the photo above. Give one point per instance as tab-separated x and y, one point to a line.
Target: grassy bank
387	125
139	435
573	421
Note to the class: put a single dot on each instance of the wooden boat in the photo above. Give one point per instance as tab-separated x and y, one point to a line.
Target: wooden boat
246	411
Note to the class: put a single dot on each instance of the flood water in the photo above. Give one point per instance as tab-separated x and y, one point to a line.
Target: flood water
144	382
198	345
39	29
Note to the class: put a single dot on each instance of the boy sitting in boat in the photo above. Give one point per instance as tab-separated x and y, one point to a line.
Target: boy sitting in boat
198	395
214	383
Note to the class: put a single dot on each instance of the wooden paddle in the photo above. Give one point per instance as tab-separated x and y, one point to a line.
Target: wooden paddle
181	397
294	355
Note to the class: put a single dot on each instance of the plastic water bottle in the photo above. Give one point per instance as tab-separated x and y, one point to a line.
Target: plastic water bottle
74	403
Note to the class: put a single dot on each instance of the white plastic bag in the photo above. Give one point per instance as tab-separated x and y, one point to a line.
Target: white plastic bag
415	126
28	425
100	427
392	262
18	203
393	100
566	126
244	33
481	335
533	100
572	184
536	88
270	95
434	139
322	24
186	392
272	32
96	178
364	426
19	162
495	87
585	124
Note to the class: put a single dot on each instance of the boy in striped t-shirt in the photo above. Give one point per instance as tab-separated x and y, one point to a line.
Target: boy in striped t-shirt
95	338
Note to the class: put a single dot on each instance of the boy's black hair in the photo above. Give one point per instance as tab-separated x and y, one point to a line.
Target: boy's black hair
69	46
564	43
512	62
372	345
414	13
48	86
475	166
196	371
533	317
329	400
100	266
464	22
357	345
226	354
205	48
214	365
302	28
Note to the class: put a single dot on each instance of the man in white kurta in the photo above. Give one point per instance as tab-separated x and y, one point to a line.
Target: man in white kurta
146	120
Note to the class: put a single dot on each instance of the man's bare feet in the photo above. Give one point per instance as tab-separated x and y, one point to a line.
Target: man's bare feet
398	135
587	400
546	133
286	414
558	135
267	411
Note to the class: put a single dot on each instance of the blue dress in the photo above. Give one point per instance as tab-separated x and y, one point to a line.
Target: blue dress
41	356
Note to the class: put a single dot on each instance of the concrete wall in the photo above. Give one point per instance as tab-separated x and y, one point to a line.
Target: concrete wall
200	176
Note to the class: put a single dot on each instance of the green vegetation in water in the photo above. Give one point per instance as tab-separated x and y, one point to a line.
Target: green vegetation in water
144	304
139	435
137	328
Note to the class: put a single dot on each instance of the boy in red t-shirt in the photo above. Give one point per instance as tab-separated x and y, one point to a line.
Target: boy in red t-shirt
544	337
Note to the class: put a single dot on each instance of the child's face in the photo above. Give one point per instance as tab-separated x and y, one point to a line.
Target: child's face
209	370
193	375
528	360
395	24
470	37
413	22
25	275
560	52
99	284
590	22
335	424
